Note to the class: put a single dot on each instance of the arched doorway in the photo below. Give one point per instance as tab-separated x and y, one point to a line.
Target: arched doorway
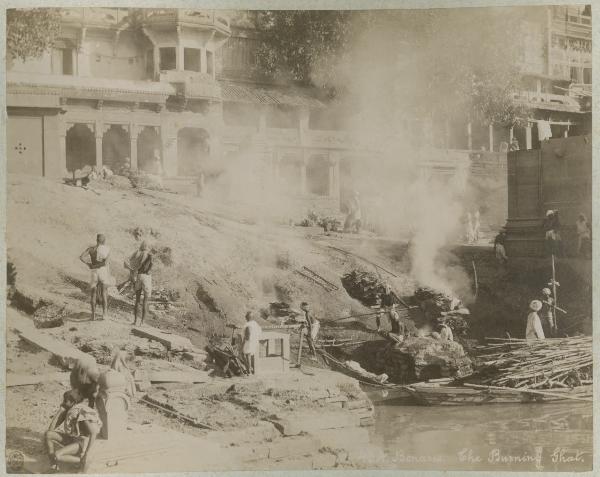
192	150
81	147
148	145
116	149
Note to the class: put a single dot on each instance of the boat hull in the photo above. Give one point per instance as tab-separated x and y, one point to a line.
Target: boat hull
459	395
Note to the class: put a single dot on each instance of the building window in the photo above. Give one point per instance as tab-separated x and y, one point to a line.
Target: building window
191	59
210	63
150	63
67	61
587	75
167	58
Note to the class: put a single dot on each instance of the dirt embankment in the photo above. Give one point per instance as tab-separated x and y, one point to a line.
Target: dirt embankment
220	264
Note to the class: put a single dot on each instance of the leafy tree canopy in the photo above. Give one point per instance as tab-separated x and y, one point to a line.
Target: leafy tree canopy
442	62
30	32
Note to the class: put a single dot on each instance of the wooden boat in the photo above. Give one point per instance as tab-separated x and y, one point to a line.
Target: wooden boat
375	390
447	395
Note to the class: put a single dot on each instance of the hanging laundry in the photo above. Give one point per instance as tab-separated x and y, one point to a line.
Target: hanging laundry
544	130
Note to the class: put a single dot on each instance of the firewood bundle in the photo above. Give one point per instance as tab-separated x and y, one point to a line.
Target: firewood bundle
365	287
541	364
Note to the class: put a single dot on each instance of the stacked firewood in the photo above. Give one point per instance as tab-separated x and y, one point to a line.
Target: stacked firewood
442	308
365	287
541	364
227	360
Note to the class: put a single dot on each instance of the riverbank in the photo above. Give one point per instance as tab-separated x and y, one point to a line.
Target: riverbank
308	418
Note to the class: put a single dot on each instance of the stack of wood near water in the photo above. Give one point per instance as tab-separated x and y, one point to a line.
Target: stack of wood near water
538	364
439	306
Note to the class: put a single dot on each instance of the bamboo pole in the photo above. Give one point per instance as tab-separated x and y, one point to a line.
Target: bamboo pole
555	301
529	391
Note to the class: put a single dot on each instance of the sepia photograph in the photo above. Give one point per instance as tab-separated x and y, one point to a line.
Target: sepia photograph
276	240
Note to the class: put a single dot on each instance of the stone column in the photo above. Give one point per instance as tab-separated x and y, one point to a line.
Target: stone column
169	151
99	131
469	136
511	134
303	163
334	168
303	124
82	57
156	56
133	153
528	141
491	127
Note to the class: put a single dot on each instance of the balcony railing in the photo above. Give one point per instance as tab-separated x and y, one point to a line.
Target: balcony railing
565	102
106	17
209	18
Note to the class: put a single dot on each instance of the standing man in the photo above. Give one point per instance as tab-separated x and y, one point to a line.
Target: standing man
312	326
548	323
251	335
499	247
583	236
140	265
98	264
354	219
534	330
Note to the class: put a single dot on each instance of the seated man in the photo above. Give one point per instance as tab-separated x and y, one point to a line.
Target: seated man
81	426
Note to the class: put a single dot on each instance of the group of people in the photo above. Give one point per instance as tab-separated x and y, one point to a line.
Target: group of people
251	333
78	413
553	238
139	264
539	328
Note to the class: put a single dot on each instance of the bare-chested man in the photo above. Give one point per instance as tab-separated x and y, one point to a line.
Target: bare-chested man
98	264
140	266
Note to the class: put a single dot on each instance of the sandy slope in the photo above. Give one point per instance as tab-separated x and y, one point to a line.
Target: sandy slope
223	262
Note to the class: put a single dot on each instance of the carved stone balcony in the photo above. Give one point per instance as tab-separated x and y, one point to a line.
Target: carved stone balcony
207	19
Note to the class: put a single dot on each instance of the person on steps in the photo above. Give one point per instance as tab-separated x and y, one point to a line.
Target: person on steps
100	276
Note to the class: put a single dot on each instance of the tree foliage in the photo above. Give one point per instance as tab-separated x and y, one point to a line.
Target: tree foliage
294	42
441	62
31	32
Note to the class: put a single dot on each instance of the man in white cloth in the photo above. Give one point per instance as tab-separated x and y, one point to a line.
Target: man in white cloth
534	330
100	275
251	335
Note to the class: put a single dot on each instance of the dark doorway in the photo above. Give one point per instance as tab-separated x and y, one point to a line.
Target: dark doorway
317	175
192	151
81	147
116	149
148	146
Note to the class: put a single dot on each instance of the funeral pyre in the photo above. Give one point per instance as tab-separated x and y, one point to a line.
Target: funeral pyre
539	364
440	308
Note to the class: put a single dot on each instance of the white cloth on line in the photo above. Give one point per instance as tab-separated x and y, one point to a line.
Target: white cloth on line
544	130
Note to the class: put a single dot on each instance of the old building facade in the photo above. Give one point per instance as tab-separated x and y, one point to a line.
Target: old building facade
155	90
172	91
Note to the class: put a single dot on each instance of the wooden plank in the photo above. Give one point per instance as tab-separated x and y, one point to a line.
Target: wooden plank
65	353
13	379
171	341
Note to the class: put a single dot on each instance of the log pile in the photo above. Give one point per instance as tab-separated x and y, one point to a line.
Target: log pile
538	364
49	316
366	287
422	358
442	308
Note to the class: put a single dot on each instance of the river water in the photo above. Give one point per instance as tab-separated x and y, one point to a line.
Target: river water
505	437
